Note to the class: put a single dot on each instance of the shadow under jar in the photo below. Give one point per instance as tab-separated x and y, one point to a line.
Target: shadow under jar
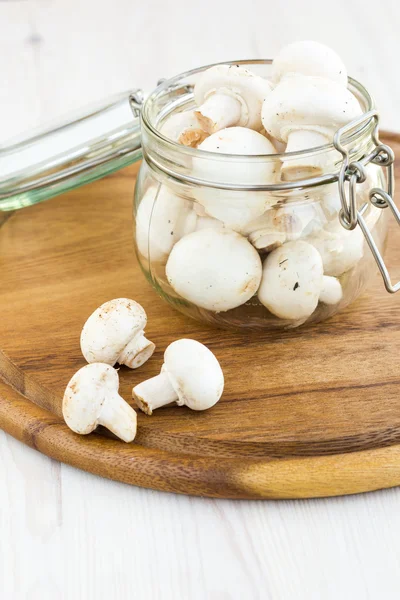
211	230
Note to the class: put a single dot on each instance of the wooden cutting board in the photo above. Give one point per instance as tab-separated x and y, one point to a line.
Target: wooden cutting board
305	413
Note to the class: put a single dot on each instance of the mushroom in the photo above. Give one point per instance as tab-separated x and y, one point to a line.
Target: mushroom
339	248
91	399
208	223
184	128
309	58
267	239
292	281
331	292
286	223
235	208
216	269
230	95
162	218
114	333
305	112
190	376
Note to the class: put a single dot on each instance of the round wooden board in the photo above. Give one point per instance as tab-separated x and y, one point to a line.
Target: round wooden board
306	413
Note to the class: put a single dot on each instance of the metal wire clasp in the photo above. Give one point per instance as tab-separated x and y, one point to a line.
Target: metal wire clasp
354	173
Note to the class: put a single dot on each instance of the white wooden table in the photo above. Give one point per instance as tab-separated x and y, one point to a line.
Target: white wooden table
68	535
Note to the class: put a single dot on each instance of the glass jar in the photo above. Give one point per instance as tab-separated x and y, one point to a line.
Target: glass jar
222	237
223	216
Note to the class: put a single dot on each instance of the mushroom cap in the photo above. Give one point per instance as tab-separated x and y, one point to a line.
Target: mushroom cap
110	329
235	208
216	269
236	81
309	58
194	373
162	218
238	140
85	394
292	280
308	103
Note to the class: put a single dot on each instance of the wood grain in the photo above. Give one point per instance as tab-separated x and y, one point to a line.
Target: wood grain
312	412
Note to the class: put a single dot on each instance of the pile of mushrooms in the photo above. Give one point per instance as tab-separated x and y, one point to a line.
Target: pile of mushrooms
221	247
114	333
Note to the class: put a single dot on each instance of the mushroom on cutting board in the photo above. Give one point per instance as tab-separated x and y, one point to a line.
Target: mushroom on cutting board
309	58
229	95
91	399
234	208
305	112
292	281
190	376
216	269
114	333
183	128
162	218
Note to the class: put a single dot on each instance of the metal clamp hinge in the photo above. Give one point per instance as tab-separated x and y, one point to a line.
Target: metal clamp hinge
355	173
136	99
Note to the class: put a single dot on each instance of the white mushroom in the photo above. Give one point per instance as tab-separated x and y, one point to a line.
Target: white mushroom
216	269
287	223
114	333
267	239
309	58
292	281
162	218
183	128
331	292
339	248
305	112
235	208
230	95
190	376
91	399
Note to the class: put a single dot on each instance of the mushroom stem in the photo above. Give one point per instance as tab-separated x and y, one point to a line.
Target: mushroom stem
219	111
136	353
309	166
154	392
184	128
331	292
118	417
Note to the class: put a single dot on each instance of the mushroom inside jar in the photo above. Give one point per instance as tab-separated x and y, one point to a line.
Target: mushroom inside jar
232	239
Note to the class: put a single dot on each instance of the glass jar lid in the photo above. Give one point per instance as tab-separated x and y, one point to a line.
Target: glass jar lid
86	146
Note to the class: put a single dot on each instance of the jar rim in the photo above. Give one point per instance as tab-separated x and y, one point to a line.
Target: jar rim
172	83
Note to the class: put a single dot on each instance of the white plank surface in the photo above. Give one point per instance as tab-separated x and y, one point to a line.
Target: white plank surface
67	535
